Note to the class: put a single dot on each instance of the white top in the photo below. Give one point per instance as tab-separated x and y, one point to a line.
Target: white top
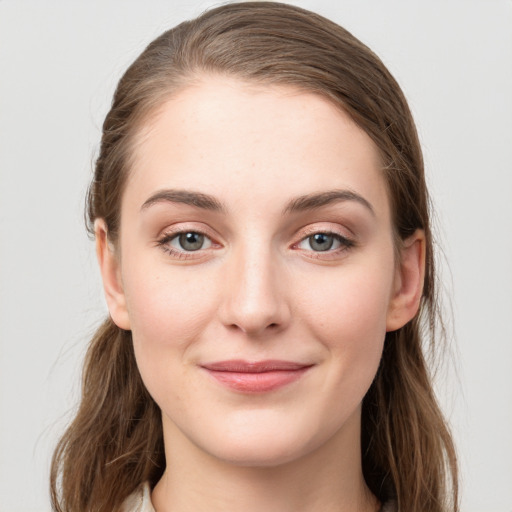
139	501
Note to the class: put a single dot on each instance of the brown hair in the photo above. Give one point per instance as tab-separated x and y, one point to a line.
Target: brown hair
115	442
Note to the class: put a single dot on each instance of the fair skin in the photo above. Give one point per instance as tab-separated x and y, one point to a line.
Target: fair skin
290	257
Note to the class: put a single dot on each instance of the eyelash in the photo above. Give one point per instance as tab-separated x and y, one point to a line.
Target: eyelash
164	243
345	244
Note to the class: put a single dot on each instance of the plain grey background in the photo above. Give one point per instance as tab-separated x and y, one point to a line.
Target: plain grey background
59	63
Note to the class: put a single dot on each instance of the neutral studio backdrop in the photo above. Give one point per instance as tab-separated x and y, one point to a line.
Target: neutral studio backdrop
59	63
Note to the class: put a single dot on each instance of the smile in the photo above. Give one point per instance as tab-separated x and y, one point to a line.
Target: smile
256	377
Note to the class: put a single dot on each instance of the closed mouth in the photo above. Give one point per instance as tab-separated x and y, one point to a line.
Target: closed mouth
256	377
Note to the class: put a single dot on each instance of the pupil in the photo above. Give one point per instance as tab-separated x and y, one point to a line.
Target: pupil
191	241
321	242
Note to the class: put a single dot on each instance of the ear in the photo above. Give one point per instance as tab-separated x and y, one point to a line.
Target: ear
408	285
111	275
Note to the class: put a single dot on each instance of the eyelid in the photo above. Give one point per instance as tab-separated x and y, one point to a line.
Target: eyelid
326	227
347	241
187	227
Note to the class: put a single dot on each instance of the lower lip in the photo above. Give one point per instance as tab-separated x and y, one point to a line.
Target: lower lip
258	382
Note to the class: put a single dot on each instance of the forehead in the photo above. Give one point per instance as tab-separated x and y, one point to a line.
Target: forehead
255	143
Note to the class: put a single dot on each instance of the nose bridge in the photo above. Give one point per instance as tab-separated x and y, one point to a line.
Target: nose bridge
253	300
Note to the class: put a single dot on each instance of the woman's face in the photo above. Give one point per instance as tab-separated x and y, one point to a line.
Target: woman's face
256	270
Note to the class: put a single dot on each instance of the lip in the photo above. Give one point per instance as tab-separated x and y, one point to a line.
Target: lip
257	376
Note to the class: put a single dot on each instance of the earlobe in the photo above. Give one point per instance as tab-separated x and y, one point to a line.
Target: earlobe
111	276
409	277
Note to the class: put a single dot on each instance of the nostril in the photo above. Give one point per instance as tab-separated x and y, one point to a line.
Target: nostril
274	326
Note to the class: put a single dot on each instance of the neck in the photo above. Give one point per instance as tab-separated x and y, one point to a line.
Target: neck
329	479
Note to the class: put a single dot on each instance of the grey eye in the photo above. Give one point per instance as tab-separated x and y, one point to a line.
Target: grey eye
320	242
190	241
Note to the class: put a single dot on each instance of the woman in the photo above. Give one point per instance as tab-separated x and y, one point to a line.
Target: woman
262	230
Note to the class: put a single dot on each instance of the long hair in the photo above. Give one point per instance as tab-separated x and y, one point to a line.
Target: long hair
115	441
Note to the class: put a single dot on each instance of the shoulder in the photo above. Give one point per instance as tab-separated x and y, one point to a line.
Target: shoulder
139	501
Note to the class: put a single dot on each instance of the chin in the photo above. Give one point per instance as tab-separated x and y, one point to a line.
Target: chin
265	445
261	455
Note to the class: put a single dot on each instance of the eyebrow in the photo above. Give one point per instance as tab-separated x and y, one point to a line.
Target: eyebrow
314	201
189	197
299	204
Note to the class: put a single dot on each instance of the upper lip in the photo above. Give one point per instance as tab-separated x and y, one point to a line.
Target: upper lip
240	366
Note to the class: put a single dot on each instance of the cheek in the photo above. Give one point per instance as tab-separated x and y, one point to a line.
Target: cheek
348	316
349	302
166	319
164	308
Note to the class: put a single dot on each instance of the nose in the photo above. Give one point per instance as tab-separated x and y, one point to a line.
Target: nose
254	295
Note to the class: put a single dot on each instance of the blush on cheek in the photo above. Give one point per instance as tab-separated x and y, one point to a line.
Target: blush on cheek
164	309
